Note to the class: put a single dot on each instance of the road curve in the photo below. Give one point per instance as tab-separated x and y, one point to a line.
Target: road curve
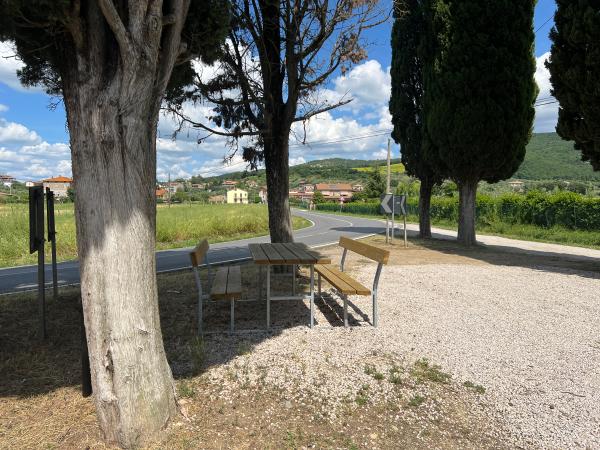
326	229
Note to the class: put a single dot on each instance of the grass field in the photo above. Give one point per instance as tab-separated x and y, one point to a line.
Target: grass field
395	168
178	226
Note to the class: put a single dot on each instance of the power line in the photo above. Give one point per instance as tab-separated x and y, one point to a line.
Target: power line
345	139
542	25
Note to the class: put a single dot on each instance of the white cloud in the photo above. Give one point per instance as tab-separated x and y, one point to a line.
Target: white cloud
15	133
3	108
546	115
9	64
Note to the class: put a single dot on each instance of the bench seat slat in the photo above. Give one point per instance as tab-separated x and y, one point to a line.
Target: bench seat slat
341	281
227	284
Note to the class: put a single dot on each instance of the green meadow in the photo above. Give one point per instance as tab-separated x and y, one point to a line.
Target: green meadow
181	225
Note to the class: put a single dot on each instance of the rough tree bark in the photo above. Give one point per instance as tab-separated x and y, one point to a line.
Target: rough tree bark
424	209
277	170
466	212
112	112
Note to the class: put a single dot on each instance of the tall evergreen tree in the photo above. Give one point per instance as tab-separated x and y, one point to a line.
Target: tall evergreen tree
112	60
574	66
409	50
479	93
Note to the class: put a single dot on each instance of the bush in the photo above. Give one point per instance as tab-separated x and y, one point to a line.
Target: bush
563	209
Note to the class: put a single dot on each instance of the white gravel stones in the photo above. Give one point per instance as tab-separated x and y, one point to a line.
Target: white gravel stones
529	336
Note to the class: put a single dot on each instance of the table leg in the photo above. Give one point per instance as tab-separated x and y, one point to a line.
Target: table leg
268	287
293	280
312	296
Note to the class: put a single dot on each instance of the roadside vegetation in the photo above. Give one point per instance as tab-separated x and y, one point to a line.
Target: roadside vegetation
560	217
179	226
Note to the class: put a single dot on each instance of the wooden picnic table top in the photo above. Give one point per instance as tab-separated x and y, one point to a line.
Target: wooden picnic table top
286	254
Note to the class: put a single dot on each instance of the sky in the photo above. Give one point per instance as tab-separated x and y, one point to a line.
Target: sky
34	140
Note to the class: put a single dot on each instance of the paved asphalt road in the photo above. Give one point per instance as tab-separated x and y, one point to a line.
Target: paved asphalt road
326	230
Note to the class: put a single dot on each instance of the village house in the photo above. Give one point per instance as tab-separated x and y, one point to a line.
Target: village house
198	185
237	196
358	187
262	193
213	199
303	196
7	180
334	191
161	194
517	185
59	185
252	183
229	184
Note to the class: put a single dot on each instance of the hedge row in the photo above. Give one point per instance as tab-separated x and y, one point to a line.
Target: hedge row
566	209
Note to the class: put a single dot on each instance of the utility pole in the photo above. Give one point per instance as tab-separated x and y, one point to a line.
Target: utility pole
169	188
389	191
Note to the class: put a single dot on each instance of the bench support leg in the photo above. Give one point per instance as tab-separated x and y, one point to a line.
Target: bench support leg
294	280
268	297
312	296
232	317
345	310
375	312
319	284
260	281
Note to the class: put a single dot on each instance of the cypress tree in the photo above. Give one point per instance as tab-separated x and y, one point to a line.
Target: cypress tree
574	66
479	93
409	51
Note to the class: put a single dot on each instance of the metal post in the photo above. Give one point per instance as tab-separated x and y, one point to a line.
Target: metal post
312	295
268	297
405	238
345	311
393	214
387	229
42	290
293	280
52	239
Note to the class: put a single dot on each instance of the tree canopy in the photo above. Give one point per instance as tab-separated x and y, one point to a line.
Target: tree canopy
574	66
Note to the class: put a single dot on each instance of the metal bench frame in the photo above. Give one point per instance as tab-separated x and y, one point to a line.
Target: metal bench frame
201	296
345	296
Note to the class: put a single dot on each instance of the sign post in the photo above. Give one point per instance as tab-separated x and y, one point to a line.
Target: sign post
52	238
400	208
386	207
36	244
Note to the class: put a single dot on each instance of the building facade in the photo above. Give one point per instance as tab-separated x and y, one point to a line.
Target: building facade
59	185
237	196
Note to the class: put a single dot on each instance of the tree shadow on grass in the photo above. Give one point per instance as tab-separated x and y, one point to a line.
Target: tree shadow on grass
29	366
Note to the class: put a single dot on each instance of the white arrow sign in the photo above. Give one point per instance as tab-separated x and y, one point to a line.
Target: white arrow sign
386	203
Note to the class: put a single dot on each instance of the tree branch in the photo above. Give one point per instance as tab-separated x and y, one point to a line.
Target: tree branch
321	110
116	25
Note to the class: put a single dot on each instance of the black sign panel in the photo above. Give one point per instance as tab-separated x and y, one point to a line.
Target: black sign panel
50	212
400	204
36	218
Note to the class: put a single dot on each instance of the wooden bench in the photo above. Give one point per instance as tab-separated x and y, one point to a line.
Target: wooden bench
344	283
226	285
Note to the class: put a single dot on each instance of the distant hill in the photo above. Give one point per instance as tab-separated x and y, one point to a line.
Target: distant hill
548	157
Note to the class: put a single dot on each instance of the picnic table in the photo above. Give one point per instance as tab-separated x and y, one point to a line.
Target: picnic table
286	254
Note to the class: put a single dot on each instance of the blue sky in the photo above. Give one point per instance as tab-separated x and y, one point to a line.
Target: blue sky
34	137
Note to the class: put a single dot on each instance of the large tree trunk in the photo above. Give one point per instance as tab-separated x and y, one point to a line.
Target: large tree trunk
424	209
466	212
112	96
114	167
277	167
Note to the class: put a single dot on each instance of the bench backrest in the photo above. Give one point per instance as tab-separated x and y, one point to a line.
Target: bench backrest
369	251
197	255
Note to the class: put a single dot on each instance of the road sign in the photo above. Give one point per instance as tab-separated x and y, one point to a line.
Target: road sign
387	203
400	204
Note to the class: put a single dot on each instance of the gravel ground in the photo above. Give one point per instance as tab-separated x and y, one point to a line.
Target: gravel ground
529	336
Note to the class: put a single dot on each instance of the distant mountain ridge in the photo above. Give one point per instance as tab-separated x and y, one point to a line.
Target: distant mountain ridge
548	157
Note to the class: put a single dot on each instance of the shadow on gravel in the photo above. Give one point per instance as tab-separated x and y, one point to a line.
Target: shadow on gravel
29	366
